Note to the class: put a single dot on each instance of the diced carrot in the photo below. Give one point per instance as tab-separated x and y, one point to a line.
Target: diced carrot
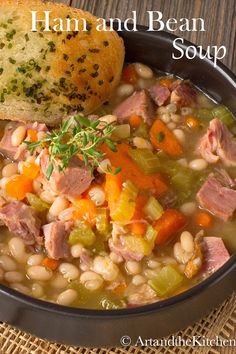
18	186
140	203
162	138
191	122
203	219
131	171
113	187
138	228
50	263
85	209
169	223
135	121
32	135
31	169
130	75
167	82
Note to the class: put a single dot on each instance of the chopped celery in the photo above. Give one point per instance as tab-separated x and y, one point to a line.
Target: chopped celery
223	114
82	233
146	160
151	235
203	113
138	245
100	245
184	180
153	209
37	203
166	281
102	222
121	131
126	203
142	131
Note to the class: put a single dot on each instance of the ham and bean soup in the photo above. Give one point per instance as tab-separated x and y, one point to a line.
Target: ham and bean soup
126	207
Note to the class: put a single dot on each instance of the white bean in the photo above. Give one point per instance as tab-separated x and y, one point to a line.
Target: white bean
108	119
7	263
162	110
133	267
143	71
103	165
171	125
10	170
47	197
18	136
165	118
59	282
37	290
142	143
125	90
76	250
180	255
179	134
67	297
116	258
198	164
188	208
97	195
39	273
69	271
138	280
35	260
20	287
58	206
17	249
104	266
186	240
91	280
151	273
172	108
14	277
152	263
66	214
175	117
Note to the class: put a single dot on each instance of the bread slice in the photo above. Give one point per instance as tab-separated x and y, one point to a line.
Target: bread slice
45	76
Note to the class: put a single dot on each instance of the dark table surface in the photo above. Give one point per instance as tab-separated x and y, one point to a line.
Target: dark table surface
219	17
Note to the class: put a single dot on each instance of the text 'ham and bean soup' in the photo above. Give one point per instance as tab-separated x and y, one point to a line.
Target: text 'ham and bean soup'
126	207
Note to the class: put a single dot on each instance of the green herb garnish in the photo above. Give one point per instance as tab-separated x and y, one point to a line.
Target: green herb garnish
77	136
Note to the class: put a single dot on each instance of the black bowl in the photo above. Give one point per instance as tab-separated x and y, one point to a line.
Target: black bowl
105	328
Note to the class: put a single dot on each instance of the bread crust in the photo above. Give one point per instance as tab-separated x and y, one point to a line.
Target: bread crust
48	75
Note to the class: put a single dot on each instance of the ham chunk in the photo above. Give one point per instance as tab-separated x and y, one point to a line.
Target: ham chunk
22	221
56	239
218	144
215	254
119	248
138	103
218	199
184	94
17	152
159	94
72	182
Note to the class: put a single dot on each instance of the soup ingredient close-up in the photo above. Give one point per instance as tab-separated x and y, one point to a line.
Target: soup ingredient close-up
117	183
124	207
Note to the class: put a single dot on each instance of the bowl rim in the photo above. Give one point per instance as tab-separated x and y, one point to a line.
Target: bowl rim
229	266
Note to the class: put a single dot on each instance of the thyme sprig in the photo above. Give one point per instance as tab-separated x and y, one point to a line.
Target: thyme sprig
77	136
